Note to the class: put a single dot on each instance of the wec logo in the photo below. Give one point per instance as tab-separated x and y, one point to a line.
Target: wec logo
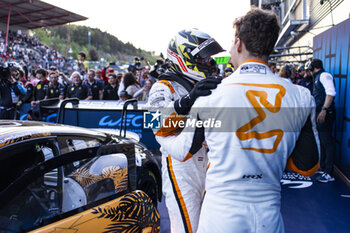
132	119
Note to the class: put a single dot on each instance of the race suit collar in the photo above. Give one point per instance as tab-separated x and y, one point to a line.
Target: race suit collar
257	61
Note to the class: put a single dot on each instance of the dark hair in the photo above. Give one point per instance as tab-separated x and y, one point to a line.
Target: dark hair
123	94
113	75
129	79
41	71
228	69
258	30
272	64
286	70
82	54
119	75
317	63
53	72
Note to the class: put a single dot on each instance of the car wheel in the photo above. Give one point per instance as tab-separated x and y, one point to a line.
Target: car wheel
148	184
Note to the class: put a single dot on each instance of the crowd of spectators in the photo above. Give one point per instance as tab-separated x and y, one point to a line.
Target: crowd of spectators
83	83
296	74
43	73
28	50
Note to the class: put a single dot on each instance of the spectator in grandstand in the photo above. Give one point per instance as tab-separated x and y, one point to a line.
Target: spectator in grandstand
78	89
83	65
143	93
228	72
324	93
95	86
41	87
55	90
130	85
287	71
110	91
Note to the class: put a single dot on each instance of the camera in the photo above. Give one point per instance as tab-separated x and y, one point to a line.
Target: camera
5	72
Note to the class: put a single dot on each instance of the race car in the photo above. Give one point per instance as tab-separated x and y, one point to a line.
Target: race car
56	178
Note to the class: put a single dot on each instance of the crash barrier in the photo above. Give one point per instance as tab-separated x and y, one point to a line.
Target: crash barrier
93	114
332	47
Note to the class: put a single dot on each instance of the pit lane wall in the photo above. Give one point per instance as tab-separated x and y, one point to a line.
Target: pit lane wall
98	114
333	48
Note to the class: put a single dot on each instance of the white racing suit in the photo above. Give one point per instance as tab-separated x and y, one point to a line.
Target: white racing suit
267	124
183	181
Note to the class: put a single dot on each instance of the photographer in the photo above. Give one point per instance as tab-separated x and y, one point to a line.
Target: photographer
10	92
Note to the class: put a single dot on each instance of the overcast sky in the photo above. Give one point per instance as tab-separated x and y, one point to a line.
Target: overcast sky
150	24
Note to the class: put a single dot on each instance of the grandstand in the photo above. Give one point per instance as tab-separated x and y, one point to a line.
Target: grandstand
30	14
17	17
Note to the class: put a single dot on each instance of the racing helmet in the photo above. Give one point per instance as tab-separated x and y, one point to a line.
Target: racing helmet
189	53
301	68
309	65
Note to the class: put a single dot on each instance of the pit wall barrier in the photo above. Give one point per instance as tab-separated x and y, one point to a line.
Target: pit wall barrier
95	116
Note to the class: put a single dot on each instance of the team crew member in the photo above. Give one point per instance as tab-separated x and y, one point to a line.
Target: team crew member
41	87
94	85
55	89
324	93
189	53
255	143
78	89
110	91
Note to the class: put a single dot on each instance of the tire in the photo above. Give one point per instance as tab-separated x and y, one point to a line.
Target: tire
148	184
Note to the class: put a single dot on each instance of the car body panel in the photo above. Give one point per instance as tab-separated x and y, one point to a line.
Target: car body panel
100	194
129	213
14	131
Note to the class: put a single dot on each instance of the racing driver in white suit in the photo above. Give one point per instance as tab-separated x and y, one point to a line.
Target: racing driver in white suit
267	124
191	65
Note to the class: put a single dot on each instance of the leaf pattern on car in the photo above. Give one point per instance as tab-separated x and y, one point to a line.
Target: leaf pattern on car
135	212
118	175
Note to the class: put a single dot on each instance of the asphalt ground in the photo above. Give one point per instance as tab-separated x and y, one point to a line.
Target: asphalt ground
306	205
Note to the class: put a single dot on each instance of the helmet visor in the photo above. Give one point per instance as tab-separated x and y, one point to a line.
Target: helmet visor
207	49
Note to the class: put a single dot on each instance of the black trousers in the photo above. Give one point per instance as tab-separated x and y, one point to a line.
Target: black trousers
8	113
327	143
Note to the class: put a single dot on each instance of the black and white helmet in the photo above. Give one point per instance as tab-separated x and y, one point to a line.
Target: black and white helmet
189	53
